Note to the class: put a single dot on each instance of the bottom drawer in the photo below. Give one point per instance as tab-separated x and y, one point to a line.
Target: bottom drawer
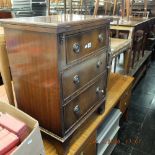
80	106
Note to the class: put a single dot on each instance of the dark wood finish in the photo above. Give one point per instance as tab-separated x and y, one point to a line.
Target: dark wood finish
34	69
125	100
84	71
88	42
5	14
38	59
84	103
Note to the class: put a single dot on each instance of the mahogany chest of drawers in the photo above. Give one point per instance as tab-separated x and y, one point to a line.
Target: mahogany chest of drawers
59	66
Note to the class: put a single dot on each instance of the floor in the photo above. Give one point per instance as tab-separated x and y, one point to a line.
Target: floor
137	135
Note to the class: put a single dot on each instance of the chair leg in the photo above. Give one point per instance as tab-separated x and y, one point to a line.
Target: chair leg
126	61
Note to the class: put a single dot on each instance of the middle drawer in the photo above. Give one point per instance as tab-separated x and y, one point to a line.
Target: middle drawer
80	74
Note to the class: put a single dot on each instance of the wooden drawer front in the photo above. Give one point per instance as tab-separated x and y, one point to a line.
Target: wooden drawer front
81	44
124	102
77	76
74	110
89	147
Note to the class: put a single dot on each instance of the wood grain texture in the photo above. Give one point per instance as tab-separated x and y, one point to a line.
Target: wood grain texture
34	69
56	23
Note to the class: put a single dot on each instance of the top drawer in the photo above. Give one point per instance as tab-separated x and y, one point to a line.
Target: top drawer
84	43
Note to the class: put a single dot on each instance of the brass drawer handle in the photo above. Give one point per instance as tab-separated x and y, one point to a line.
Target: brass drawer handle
101	37
76	79
76	47
99	91
77	110
99	63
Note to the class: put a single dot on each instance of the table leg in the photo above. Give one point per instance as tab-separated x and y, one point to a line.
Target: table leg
126	61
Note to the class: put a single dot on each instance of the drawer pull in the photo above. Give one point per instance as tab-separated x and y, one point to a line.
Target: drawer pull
76	79
99	63
101	37
76	47
99	91
77	110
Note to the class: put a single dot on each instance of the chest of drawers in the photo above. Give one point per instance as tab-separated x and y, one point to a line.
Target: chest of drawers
59	68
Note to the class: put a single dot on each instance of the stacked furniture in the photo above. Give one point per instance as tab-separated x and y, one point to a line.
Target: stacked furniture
84	140
63	63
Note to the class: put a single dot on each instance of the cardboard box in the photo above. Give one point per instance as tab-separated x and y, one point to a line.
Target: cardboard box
33	144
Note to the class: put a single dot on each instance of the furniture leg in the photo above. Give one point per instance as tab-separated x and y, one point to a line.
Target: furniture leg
126	61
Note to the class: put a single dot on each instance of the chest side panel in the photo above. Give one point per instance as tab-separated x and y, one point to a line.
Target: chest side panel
34	67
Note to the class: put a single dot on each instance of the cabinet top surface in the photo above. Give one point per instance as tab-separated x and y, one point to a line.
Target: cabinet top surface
55	20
